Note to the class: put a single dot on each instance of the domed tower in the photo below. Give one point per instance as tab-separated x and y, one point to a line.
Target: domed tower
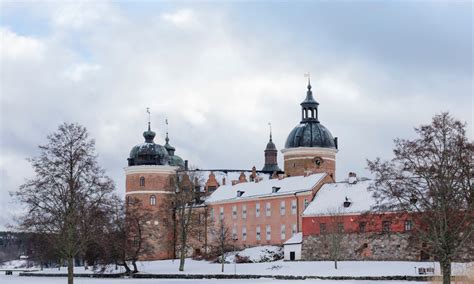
310	147
149	179
271	152
174	160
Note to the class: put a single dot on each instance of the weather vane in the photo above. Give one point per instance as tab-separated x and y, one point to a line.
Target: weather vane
308	75
270	126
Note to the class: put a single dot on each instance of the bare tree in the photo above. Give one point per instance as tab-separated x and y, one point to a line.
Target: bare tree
223	241
68	190
431	176
333	234
130	234
187	196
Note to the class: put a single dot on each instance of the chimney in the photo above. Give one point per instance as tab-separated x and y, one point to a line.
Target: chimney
352	178
242	177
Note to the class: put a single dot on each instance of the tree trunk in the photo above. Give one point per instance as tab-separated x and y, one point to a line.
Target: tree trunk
135	268
222	261
182	255
335	264
70	270
446	271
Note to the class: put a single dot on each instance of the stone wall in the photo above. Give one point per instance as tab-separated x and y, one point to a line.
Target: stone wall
375	246
369	246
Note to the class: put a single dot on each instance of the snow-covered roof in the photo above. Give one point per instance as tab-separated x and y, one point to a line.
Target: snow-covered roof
296	239
331	197
264	188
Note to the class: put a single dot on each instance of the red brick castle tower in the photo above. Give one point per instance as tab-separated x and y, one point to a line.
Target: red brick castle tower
149	178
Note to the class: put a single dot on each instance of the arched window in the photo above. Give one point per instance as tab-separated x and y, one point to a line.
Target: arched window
152	200
142	181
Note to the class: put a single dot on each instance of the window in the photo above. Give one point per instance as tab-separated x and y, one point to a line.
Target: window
386	226
362	226
129	199
222	213
408	225
244	233
269	209
257	234
212	214
257	209
234	232
340	227
234	212
211	189
244	211
293	207
294	230
142	181
283	232
322	228
153	200
306	203
269	232
282	208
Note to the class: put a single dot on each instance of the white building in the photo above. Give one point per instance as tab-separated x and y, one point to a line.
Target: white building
292	247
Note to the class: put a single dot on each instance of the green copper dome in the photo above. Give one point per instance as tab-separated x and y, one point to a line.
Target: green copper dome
148	153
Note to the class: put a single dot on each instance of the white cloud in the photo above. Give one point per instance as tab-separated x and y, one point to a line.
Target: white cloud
180	18
81	14
14	46
77	72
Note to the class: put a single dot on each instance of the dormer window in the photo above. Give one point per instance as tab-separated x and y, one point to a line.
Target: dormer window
347	203
275	189
240	193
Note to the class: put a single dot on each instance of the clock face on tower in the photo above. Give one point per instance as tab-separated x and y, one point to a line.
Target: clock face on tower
318	161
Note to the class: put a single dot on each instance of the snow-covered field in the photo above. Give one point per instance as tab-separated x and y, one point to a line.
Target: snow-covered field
15	279
299	268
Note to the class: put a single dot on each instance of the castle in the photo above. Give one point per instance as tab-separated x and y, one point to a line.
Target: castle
271	206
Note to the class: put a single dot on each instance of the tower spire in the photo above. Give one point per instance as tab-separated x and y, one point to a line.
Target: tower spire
270	126
309	79
149	118
166	139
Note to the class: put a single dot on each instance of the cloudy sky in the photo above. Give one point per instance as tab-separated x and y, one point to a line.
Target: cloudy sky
221	71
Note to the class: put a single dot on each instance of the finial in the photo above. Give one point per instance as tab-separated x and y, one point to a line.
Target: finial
270	126
166	139
149	118
309	79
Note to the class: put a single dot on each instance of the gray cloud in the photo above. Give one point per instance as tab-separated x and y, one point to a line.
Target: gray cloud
220	79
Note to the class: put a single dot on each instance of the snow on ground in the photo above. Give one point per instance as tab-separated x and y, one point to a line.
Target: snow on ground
298	268
15	279
257	254
12	264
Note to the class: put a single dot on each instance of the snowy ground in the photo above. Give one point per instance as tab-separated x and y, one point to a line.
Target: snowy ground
299	268
15	279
